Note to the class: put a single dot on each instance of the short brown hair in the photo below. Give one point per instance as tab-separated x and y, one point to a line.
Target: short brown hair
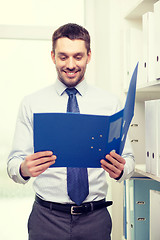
71	31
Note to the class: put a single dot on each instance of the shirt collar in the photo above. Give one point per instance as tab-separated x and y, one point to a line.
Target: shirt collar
81	87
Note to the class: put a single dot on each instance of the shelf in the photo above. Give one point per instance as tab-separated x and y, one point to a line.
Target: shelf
139	8
147	91
141	173
149	86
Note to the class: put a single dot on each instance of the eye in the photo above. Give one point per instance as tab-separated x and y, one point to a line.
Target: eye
63	58
78	57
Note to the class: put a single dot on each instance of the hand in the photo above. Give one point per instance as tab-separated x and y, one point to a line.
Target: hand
116	165
37	163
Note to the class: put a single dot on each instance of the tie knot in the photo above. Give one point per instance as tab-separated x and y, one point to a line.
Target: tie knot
71	91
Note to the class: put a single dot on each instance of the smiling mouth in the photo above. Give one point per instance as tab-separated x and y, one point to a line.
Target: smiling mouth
71	74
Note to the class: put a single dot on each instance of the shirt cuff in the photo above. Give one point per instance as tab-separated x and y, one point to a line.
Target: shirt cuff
14	171
119	176
25	178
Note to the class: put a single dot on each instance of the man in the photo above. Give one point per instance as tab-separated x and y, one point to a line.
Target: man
54	215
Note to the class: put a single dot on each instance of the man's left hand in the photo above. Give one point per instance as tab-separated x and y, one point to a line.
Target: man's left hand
115	165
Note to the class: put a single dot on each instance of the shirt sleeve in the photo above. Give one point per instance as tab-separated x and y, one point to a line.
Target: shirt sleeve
22	143
128	155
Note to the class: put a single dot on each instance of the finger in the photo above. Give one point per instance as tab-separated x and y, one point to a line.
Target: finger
44	160
110	172
38	155
112	161
43	167
113	171
108	165
118	163
37	170
117	157
105	163
33	163
111	167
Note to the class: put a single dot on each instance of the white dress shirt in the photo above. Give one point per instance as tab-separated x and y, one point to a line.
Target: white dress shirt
52	184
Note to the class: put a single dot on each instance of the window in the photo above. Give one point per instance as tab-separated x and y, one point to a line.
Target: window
26	66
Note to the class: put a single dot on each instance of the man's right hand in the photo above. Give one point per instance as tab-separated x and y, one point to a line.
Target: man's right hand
37	163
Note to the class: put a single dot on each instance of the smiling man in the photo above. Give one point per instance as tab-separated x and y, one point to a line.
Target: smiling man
70	203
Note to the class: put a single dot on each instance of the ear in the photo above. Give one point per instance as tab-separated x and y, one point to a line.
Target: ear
53	57
89	57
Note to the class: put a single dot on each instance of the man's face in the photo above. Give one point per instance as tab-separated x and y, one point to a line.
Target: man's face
71	59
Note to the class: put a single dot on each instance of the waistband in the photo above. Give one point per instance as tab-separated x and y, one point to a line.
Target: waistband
73	209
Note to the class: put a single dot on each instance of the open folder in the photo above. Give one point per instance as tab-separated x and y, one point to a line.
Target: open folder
82	140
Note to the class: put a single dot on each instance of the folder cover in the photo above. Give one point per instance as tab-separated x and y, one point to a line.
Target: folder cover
139	200
82	140
154	214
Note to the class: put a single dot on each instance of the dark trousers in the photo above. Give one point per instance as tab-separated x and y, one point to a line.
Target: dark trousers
46	224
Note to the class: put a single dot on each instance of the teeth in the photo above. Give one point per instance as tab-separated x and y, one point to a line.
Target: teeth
71	73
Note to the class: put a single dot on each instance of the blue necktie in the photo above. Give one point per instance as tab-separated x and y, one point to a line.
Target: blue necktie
77	178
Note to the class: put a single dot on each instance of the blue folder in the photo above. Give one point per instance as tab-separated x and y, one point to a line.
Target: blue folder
139	210
82	140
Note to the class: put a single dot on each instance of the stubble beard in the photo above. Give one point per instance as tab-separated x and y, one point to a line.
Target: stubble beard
70	82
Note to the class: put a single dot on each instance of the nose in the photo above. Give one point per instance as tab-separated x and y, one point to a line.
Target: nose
71	64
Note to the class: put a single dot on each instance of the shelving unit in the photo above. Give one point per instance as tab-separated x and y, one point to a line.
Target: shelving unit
150	90
145	90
